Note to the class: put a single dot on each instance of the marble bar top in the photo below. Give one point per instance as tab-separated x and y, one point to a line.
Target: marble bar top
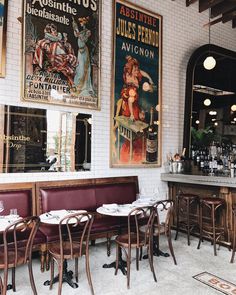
199	179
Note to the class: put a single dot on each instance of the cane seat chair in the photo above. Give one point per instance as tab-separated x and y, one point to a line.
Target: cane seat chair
162	224
74	234
16	251
134	238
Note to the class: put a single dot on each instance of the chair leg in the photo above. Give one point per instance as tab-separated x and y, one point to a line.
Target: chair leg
150	258
47	260
137	258
88	273
141	253
1	285
200	227
13	279
128	267
117	258
214	230
5	281
108	246
171	246
43	253
60	271
76	269
188	223
31	276
234	236
177	220
52	273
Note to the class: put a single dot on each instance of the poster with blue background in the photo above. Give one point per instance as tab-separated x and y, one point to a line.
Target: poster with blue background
136	93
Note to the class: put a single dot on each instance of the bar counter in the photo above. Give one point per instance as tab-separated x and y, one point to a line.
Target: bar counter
205	186
199	179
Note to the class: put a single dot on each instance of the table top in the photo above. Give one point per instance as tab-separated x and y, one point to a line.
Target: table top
6	220
118	210
55	216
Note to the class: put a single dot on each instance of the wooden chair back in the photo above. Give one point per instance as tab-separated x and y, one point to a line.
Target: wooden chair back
163	213
18	240
75	228
137	218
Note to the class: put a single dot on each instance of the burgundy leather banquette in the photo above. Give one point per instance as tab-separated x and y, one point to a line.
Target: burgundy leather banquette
22	197
88	194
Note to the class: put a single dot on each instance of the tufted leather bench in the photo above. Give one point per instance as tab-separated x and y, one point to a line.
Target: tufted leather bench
88	194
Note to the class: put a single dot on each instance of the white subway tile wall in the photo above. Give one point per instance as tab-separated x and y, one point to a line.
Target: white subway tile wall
183	32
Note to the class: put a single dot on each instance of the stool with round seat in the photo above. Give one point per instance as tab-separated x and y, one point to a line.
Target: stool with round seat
213	230
186	203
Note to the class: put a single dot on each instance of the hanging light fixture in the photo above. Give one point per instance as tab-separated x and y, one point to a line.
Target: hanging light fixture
210	62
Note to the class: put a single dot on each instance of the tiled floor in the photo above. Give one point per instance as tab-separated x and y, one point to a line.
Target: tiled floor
172	279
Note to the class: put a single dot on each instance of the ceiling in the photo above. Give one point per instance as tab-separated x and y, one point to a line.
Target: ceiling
220	10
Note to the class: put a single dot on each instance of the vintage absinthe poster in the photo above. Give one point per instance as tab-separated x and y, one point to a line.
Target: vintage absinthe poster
136	96
61	52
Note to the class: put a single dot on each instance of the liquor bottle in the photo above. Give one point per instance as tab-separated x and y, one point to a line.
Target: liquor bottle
151	143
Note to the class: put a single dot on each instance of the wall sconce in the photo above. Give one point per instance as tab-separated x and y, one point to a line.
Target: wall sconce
210	62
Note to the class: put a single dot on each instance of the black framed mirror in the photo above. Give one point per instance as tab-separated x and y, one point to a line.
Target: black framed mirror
40	140
210	96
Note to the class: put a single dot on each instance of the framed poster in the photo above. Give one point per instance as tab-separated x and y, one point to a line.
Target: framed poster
61	52
3	29
136	93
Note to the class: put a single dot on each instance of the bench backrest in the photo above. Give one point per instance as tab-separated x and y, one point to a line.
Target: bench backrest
20	196
86	194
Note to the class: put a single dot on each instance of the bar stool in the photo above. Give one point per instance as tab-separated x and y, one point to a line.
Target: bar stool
211	230
186	202
234	234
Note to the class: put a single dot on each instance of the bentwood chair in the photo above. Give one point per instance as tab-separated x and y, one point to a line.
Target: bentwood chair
162	224
135	239
74	233
16	251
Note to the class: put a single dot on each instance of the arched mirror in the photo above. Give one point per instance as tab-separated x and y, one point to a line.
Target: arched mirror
210	102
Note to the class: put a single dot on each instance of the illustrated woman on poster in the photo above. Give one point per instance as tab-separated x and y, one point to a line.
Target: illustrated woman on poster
128	104
53	54
132	77
82	80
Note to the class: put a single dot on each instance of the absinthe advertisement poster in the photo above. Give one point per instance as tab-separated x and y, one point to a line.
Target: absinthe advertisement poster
61	52
136	95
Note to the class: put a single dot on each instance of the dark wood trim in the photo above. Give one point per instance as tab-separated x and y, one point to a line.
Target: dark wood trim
197	54
206	4
222	8
189	2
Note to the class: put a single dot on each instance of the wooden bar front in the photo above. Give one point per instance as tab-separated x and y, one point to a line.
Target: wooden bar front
205	186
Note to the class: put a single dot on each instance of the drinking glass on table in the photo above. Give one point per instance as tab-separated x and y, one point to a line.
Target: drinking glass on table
1	206
156	193
13	212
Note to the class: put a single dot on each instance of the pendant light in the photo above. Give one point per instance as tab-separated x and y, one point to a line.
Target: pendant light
210	62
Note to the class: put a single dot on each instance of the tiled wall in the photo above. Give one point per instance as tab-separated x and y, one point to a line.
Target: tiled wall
183	32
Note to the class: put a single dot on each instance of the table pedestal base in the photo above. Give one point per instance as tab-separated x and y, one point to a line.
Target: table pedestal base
156	250
121	265
66	277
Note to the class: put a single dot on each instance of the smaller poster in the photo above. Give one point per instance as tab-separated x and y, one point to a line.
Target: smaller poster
136	93
61	52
